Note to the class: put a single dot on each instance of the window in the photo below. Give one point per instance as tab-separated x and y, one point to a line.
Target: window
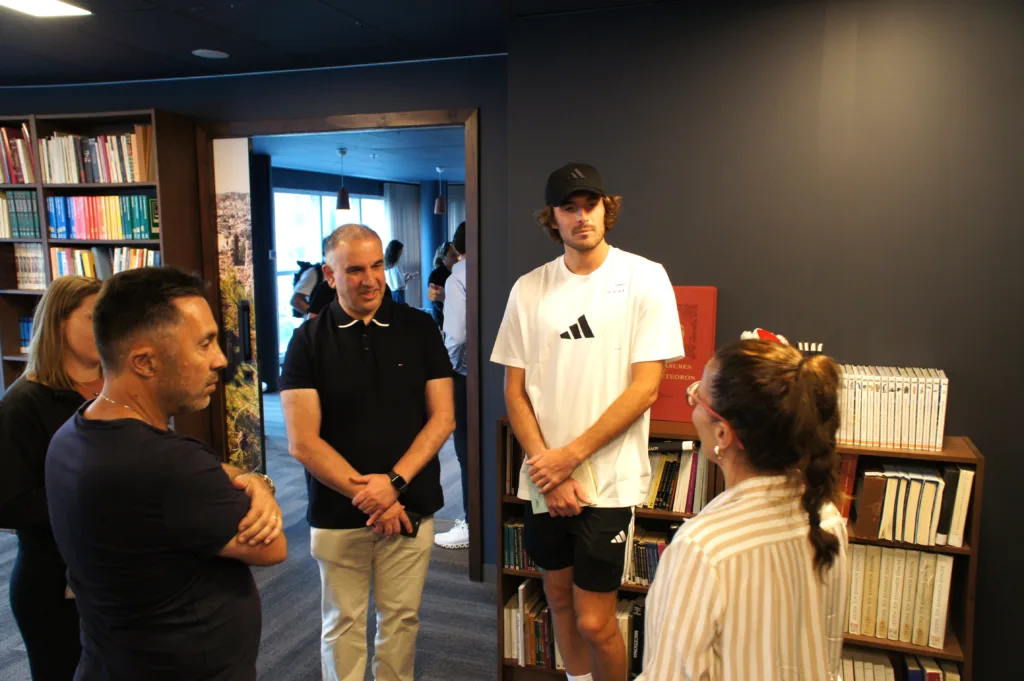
302	220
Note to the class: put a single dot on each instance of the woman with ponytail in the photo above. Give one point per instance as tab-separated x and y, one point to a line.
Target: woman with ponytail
755	586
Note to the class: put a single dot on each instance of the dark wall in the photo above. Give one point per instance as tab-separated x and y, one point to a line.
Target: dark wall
470	83
852	176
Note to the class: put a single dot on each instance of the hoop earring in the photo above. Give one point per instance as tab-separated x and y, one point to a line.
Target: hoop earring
717	452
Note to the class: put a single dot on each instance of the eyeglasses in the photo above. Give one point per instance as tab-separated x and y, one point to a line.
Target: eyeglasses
693	398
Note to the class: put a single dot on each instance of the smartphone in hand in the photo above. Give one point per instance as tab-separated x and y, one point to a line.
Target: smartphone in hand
415	519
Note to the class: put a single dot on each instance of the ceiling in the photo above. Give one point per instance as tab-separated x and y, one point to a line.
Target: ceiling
405	155
149	39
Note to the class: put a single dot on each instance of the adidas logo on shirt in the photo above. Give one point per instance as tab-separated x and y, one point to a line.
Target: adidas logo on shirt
578	330
619	538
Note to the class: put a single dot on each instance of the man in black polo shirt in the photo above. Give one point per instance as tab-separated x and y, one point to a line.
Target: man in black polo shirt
367	396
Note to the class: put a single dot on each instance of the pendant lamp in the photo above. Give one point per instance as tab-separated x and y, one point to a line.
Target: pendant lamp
343	201
440	205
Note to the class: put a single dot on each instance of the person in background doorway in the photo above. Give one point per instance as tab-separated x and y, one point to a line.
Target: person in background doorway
584	342
367	398
309	277
755	586
455	341
396	277
444	259
63	372
156	532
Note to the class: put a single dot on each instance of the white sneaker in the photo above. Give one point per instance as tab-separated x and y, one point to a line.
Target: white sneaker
455	538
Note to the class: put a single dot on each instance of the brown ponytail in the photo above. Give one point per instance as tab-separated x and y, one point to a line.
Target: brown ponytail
784	409
814	438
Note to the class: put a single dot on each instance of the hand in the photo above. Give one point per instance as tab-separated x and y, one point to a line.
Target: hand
410	275
378	495
263	522
390	522
550	467
435	293
564	499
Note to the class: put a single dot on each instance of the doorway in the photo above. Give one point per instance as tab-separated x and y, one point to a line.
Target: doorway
467	119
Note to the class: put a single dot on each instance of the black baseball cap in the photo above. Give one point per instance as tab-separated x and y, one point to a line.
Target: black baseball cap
570	179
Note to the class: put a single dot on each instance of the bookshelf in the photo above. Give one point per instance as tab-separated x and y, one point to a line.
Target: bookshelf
171	179
959	642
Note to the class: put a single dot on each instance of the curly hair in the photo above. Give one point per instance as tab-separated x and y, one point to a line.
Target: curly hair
546	217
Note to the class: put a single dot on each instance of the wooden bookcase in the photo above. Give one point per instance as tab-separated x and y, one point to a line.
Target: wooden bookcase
960	639
175	187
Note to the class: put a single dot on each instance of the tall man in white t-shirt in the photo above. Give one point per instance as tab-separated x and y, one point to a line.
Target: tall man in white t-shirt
584	341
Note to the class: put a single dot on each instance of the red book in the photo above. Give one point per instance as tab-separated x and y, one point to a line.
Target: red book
697	310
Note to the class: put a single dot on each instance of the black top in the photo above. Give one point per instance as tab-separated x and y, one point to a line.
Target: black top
438	277
371	380
140	515
321	297
30	414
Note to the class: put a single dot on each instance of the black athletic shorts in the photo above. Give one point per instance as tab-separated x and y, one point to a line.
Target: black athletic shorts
594	543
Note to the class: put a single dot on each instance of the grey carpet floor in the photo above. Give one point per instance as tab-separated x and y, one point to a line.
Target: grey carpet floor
457	640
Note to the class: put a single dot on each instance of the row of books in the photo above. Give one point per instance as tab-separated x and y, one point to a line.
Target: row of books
679	477
73	159
101	262
515	556
19	215
921	505
28	265
865	665
103	217
24	333
892	407
642	561
899	594
16	163
529	632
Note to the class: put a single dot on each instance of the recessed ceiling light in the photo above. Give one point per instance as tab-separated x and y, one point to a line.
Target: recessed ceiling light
45	8
211	54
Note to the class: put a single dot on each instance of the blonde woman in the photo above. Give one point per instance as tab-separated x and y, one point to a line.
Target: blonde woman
63	372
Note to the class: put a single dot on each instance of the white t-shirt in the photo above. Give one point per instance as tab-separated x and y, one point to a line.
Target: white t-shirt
307	282
395	277
577	337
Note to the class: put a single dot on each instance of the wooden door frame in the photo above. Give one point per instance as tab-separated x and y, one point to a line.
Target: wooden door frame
469	120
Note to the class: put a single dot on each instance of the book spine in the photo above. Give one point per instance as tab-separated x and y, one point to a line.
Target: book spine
856	588
910	575
896	594
940	601
884	594
923	600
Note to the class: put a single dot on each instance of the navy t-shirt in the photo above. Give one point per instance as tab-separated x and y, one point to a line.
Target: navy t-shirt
139	515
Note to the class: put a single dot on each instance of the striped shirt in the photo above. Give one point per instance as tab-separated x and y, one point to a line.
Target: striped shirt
737	597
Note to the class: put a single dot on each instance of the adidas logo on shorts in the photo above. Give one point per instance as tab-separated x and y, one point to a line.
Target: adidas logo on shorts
619	538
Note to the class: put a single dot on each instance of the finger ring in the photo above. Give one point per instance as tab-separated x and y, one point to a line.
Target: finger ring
273	517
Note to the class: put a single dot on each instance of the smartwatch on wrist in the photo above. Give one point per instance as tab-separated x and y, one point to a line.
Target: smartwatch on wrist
397	481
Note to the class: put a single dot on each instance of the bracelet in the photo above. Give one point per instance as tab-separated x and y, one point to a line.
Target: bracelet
266	479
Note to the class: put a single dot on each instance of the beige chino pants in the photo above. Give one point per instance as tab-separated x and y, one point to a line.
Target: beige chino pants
350	560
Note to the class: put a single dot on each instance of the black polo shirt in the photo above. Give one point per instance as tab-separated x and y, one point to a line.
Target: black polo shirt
371	380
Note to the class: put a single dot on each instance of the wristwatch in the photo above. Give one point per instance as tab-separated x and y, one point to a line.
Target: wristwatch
397	481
